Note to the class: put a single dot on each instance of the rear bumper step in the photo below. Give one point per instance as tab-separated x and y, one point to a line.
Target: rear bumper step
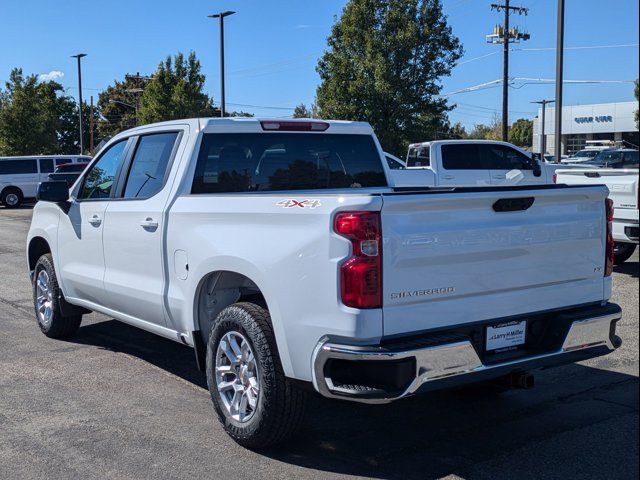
377	374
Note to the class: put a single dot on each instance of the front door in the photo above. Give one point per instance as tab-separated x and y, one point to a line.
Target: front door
80	252
134	229
509	166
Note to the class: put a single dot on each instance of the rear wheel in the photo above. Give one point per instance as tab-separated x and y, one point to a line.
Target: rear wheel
256	404
622	252
46	300
11	197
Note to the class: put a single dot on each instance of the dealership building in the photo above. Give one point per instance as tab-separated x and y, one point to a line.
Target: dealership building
599	121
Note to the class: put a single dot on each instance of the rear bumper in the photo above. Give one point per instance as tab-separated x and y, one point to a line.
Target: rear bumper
625	230
440	363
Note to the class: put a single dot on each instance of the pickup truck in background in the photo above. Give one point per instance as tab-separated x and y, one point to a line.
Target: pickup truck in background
285	253
623	191
476	163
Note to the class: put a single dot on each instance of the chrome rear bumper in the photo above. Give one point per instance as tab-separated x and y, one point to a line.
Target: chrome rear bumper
590	337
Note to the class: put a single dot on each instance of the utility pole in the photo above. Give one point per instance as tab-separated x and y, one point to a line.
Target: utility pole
91	126
505	35
79	57
543	140
559	60
221	16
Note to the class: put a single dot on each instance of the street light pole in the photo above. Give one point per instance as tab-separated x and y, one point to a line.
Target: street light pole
559	61
79	57
221	16
543	140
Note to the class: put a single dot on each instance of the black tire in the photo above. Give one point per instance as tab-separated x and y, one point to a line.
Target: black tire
280	404
59	326
622	252
11	197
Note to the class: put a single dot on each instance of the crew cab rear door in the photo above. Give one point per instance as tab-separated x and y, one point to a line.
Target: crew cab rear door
460	164
466	255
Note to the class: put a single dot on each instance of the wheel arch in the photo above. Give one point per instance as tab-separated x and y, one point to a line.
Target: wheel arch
38	246
217	290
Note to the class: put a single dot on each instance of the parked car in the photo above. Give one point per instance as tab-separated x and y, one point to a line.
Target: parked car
623	190
20	176
619	158
68	172
581	156
478	163
283	252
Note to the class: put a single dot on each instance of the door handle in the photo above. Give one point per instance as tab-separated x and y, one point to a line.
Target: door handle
448	177
95	221
499	177
149	223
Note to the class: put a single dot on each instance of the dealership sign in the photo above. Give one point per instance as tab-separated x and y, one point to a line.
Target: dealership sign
598	118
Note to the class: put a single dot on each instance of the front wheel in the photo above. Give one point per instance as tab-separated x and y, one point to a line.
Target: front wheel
256	404
46	300
622	252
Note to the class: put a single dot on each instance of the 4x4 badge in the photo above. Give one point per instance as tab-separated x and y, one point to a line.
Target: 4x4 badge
292	203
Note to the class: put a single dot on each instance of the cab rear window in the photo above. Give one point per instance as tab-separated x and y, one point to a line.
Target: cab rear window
246	162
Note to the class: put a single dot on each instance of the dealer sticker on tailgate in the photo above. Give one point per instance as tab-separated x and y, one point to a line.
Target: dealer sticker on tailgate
506	335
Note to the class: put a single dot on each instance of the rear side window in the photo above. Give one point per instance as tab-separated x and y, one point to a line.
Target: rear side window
46	165
244	162
16	167
462	157
419	157
149	165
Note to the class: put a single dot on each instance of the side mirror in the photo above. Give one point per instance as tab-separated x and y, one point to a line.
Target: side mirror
536	159
54	191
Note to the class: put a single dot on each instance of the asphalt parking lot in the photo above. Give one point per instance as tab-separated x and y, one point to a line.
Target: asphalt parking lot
117	402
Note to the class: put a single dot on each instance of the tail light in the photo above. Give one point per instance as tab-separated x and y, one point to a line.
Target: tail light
608	269
361	273
555	178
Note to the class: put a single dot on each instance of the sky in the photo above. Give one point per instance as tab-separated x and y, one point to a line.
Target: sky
272	47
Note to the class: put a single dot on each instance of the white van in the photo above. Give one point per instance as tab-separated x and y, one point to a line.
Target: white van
20	176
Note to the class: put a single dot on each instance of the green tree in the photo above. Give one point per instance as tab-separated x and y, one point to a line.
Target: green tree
458	131
176	91
492	131
30	115
383	65
302	111
521	133
117	105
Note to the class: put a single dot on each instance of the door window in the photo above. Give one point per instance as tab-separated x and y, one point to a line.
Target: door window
501	157
100	178
46	165
149	165
462	157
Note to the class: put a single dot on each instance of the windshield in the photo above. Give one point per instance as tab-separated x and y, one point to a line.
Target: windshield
585	153
606	159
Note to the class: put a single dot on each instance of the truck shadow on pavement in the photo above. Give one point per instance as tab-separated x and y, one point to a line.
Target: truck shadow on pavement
628	268
578	422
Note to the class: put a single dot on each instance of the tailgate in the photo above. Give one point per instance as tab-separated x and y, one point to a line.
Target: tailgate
622	184
450	259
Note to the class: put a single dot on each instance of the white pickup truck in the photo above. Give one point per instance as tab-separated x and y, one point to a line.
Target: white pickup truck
283	253
623	191
474	163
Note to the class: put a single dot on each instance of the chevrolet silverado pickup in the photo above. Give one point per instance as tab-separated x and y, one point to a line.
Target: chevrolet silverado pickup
285	255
